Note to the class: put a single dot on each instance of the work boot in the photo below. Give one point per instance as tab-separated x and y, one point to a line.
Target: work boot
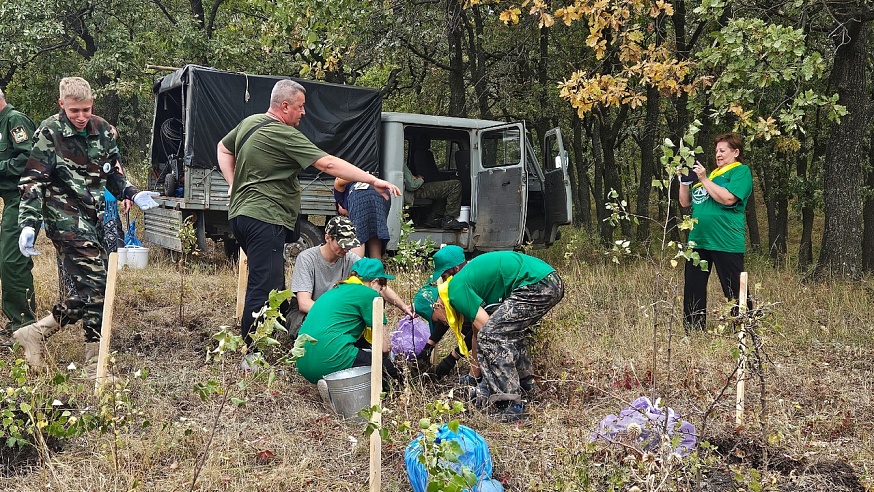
32	338
529	386
92	352
452	224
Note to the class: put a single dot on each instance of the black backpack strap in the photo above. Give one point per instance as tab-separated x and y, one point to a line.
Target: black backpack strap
252	131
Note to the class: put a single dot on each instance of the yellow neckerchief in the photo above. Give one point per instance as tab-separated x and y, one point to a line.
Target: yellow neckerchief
368	331
452	317
719	171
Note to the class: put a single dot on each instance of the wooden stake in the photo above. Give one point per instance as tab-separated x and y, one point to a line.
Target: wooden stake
242	283
106	327
742	362
375	391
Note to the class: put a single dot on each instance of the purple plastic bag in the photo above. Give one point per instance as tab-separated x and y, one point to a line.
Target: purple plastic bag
649	423
410	337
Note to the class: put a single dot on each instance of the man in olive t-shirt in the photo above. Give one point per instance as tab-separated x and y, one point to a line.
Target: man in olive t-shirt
261	159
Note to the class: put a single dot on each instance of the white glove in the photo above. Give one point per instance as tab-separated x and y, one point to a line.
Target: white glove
145	201
25	242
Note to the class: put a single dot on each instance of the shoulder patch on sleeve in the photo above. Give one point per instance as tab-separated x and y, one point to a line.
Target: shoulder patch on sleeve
19	134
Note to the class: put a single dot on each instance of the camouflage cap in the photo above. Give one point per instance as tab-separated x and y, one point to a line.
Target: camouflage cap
342	230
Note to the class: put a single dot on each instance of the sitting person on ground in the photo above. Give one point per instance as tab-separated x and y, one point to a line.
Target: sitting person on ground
526	288
368	209
340	322
318	269
424	305
447	195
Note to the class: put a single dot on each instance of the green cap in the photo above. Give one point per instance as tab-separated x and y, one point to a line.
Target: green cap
342	230
447	257
423	303
369	269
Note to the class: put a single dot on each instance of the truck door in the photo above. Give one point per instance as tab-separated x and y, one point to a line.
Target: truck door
557	183
501	194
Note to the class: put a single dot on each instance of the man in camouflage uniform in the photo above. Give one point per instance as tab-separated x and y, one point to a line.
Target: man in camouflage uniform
527	288
16	279
447	193
74	158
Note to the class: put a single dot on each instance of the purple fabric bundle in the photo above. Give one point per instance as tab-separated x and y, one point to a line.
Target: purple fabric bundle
410	337
647	423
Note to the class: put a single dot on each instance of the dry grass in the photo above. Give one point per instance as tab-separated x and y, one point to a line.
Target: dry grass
593	354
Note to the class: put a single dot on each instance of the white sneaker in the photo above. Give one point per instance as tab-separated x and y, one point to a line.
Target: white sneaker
322	385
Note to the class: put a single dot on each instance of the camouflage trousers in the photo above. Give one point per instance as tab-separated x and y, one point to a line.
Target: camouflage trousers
83	257
448	192
501	344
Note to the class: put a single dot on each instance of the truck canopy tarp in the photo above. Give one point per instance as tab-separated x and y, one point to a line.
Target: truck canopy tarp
342	120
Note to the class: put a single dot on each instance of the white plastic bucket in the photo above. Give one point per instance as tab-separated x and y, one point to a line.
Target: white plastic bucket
349	390
122	257
137	257
464	216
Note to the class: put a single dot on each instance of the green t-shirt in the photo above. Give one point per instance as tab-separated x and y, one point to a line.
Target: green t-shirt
720	227
336	320
492	277
266	186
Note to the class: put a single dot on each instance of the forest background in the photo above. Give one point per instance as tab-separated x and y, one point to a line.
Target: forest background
619	76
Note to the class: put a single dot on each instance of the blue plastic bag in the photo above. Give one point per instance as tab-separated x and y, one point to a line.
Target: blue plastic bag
410	337
130	239
110	211
475	455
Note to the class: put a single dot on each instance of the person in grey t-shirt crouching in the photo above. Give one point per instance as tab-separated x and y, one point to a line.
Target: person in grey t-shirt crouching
318	269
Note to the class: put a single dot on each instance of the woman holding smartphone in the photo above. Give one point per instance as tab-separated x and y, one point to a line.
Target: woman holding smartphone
718	200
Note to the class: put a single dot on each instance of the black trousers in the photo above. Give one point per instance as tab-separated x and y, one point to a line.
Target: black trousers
263	244
728	268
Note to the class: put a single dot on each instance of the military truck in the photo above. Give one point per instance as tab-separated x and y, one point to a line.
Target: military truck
513	197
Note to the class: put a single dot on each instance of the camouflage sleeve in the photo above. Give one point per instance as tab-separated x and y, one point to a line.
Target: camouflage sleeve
116	183
36	175
20	132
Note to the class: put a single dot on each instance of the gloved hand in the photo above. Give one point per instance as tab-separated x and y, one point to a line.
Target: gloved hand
145	201
423	358
25	242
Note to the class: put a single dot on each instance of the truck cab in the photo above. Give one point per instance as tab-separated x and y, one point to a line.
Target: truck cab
512	197
513	200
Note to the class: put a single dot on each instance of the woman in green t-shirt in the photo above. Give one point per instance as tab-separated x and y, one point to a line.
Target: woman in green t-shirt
718	202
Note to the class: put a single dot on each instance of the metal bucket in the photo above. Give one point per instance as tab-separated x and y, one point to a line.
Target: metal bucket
349	390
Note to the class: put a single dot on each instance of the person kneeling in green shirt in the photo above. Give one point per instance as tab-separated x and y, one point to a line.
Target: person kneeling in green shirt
526	288
340	322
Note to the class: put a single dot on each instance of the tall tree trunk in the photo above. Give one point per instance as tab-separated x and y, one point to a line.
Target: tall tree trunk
477	63
580	178
868	213
842	239
608	132
775	183
806	197
454	32
647	161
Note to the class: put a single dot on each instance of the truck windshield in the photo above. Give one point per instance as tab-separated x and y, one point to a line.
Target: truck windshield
501	147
